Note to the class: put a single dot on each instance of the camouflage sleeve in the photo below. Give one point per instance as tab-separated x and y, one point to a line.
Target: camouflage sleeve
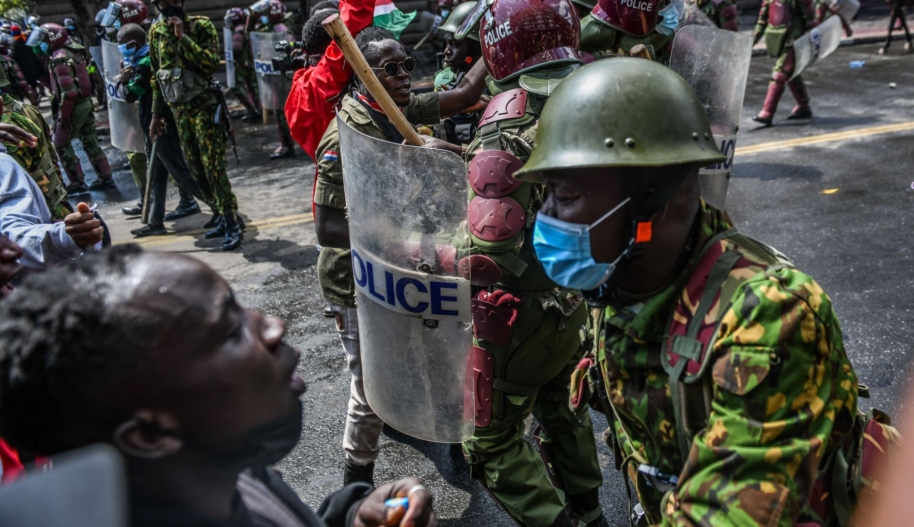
783	393
24	156
328	189
423	108
762	22
201	47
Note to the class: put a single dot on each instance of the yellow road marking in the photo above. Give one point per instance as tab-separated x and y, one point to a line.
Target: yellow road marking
824	138
190	236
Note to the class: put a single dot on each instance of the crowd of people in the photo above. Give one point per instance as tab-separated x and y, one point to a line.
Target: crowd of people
600	279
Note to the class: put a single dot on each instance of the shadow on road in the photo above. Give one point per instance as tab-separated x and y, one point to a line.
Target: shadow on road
774	171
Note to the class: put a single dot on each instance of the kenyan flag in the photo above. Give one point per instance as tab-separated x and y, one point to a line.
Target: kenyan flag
387	15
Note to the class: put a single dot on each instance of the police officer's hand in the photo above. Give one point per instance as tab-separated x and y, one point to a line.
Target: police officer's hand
434	142
178	24
156	126
85	229
125	75
374	513
17	136
9	266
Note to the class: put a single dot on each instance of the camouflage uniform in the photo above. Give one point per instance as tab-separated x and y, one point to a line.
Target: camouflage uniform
65	65
783	395
40	162
203	141
18	87
722	12
601	39
532	371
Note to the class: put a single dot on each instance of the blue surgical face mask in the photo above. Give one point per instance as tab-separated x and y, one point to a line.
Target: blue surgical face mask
117	24
264	20
44	47
564	250
127	51
670	20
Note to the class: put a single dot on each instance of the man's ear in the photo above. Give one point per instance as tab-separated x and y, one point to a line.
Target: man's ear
149	435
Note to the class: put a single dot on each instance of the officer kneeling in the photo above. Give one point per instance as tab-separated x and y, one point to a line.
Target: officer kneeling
731	398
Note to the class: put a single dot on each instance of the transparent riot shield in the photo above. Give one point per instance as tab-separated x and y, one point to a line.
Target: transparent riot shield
817	43
715	63
96	53
123	117
228	42
274	87
407	206
847	9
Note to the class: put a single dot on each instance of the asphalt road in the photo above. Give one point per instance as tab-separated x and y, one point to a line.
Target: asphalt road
840	207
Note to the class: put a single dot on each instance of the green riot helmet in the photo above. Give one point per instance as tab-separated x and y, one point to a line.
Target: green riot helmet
456	18
621	112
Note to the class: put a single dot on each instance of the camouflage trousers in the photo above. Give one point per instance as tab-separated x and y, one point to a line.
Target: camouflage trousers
203	143
82	127
282	128
138	165
245	87
533	376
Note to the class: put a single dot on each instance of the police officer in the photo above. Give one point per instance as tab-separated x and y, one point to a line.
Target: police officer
134	85
781	22
726	382
522	321
75	117
723	13
17	86
245	88
358	109
459	57
271	18
41	162
184	54
614	27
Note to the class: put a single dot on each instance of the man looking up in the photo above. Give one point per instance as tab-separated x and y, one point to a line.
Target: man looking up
192	389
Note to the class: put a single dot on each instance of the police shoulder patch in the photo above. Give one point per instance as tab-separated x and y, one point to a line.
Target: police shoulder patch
331	156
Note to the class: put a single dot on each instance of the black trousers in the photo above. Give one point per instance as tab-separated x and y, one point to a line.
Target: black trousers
897	14
169	160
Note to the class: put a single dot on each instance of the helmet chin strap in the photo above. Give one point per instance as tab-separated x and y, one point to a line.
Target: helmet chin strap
641	233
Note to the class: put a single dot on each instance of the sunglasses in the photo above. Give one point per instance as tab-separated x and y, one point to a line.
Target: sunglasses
392	68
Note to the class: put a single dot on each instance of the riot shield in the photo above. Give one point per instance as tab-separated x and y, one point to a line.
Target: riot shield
96	53
406	207
123	117
692	15
847	9
228	42
715	63
816	44
274	87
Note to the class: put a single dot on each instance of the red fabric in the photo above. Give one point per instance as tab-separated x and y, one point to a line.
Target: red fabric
309	107
9	460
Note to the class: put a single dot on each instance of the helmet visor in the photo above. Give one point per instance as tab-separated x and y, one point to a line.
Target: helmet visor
260	7
111	14
470	21
37	36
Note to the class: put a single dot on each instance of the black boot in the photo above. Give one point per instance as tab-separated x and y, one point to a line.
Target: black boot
149	230
183	210
233	234
218	230
353	473
133	210
564	520
214	220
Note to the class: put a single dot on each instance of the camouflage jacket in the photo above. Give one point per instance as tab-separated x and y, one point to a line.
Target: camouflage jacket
40	162
198	50
18	86
783	395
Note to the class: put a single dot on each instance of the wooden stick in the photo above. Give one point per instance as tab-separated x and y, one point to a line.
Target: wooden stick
640	50
147	192
340	34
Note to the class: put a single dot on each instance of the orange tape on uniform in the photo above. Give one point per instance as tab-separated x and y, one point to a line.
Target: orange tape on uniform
644	232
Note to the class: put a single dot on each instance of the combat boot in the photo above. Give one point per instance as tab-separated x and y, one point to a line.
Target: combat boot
134	210
766	116
218	229
233	234
564	520
213	221
282	151
802	109
77	187
182	211
353	473
253	112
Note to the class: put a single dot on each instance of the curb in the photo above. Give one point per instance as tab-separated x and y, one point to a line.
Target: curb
847	42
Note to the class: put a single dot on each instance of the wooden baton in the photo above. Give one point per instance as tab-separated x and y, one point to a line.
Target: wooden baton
147	192
340	34
640	50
